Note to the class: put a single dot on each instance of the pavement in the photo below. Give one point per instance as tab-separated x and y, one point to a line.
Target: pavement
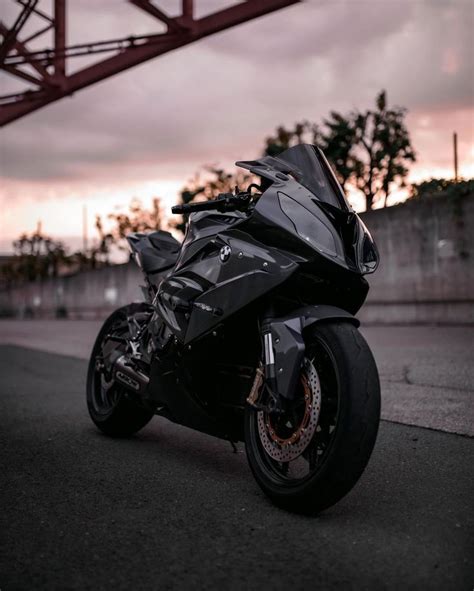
175	509
427	372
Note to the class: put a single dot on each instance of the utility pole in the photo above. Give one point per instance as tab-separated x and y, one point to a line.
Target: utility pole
84	229
455	146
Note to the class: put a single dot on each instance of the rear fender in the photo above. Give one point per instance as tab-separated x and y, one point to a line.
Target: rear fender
286	340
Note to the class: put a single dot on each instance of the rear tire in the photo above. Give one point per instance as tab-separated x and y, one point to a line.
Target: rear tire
116	414
348	375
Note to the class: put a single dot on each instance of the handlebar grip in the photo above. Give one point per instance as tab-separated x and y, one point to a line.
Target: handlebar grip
190	207
223	202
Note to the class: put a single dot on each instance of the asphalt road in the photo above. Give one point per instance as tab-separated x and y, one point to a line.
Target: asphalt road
427	372
174	509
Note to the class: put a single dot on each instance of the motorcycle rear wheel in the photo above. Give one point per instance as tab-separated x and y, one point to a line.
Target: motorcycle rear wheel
348	398
110	406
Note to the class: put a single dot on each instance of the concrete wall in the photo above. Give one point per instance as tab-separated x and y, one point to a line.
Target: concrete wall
91	294
426	273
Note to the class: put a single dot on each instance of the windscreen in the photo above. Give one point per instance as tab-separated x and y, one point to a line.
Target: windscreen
309	167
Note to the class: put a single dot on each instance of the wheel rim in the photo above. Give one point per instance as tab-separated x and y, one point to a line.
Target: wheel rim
105	392
295	463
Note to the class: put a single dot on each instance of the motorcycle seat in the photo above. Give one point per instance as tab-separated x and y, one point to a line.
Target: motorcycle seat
157	250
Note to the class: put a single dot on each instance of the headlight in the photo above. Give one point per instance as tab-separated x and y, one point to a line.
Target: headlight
370	259
308	226
368	253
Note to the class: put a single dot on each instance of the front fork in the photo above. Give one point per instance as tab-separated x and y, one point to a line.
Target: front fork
283	348
263	395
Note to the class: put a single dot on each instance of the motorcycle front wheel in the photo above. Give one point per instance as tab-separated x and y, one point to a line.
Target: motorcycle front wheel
312	455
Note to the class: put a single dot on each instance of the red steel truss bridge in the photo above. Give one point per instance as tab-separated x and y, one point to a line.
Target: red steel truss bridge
46	71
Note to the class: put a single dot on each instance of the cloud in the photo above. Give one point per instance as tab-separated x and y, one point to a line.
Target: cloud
216	100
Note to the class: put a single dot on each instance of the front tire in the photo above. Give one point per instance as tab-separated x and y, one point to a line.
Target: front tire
348	393
110	406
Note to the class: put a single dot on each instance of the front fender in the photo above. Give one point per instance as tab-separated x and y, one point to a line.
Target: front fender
313	314
288	343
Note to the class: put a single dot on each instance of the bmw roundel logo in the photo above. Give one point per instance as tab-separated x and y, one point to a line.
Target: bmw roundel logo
225	253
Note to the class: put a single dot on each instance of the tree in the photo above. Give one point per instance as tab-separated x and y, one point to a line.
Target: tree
446	187
383	151
303	132
136	219
338	141
207	184
37	256
368	150
99	254
336	137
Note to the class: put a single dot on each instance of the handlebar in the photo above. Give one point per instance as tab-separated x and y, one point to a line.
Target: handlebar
223	202
190	207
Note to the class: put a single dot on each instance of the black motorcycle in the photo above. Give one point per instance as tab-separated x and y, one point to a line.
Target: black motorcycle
247	332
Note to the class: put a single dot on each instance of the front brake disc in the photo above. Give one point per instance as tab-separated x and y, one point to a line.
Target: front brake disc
285	449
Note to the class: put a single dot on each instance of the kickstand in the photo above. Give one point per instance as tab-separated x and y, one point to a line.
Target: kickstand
234	446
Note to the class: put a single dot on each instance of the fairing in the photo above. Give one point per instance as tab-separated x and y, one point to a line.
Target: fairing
301	226
308	193
307	165
204	290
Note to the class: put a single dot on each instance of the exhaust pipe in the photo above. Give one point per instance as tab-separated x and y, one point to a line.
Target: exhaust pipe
126	375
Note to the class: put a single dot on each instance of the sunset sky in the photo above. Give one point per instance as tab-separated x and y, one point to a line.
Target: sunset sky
144	132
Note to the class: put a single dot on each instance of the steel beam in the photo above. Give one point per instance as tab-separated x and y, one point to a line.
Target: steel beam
24	55
59	38
23	75
188	9
151	9
130	51
10	36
